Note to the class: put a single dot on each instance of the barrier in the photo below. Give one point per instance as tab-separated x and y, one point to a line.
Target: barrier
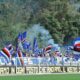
38	68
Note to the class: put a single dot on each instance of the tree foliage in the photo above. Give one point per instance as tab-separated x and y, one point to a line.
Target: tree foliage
60	17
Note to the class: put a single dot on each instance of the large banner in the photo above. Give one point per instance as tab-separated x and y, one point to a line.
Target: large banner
36	69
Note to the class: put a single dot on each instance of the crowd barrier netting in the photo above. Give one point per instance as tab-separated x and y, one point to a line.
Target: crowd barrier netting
38	65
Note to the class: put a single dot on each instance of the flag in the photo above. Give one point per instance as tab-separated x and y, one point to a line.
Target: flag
19	37
76	41
6	53
19	46
19	58
26	46
4	57
10	48
76	56
76	44
20	55
24	35
68	49
35	46
48	49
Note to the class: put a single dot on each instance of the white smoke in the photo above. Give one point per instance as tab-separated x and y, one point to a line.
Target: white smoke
45	35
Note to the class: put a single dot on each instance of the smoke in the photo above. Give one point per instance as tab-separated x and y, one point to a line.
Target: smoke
43	35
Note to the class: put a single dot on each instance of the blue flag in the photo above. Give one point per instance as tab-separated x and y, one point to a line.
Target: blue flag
35	47
24	35
20	37
26	46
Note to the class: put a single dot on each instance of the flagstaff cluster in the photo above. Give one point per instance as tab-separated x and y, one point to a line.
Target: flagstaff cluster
24	53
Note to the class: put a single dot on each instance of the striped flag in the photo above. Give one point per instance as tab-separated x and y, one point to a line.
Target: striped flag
5	57
48	48
76	44
10	48
19	58
6	53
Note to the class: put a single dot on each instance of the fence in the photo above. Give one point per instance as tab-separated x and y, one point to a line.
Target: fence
38	66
